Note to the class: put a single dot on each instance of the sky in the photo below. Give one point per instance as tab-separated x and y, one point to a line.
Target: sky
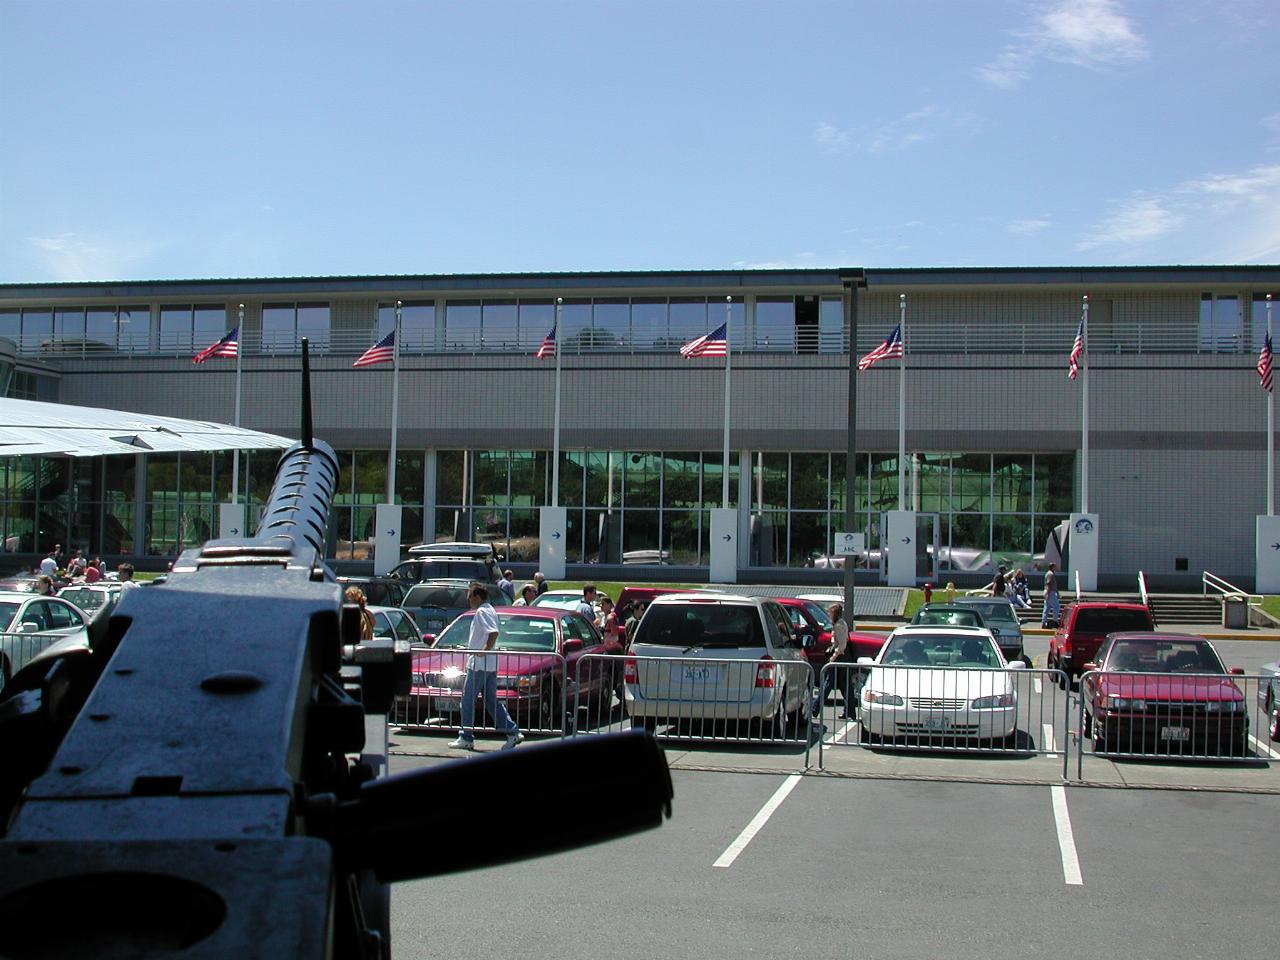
196	139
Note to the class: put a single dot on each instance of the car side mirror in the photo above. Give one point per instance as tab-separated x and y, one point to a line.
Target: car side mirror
1236	671
573	645
28	627
429	639
1091	666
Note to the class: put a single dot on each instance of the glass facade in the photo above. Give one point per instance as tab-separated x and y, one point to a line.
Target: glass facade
285	324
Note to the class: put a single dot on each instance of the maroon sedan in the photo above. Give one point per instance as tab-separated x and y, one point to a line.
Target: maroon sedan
1166	694
535	646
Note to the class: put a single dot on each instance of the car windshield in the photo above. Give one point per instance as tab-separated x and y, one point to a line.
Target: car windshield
1111	621
818	614
559	601
7	612
941	650
526	634
1000	612
689	625
86	600
1163	656
948	618
445	598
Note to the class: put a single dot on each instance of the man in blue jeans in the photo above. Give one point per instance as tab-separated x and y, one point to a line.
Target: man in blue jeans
482	675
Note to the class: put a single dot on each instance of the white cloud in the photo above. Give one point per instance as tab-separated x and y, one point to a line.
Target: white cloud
1087	33
70	256
916	127
1030	226
830	137
1229	218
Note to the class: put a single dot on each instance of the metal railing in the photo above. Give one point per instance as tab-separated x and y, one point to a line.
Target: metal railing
1224	589
951	709
531	686
705	699
1178	715
17	649
1142	590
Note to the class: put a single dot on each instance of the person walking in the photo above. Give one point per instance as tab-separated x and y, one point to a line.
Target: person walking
839	654
482	675
1052	603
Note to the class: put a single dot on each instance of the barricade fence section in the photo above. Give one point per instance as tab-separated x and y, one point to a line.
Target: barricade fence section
975	709
1173	714
17	649
530	686
715	699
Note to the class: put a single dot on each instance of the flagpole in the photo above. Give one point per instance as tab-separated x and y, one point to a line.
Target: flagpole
235	454
555	433
1084	408
395	408
1271	433
724	478
902	402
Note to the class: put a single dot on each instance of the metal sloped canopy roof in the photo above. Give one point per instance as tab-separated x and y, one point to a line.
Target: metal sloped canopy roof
28	427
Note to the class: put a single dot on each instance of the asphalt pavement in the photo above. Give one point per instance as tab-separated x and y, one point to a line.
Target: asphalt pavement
785	865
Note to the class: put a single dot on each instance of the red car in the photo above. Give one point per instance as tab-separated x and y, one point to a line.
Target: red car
1083	629
1166	694
531	673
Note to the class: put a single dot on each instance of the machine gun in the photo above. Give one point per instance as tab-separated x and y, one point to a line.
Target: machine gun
210	779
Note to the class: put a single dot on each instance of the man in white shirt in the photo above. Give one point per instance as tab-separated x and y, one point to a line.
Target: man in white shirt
125	575
482	675
839	654
49	566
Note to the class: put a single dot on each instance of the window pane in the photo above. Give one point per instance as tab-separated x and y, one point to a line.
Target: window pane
100	326
809	538
688	319
1012	476
643	480
831	325
210	324
1258	320
648	322
575	325
135	328
681	480
537	317
529	477
930	481
409	481
162	474
771	473
449	478
769	543
612	321
971	482
604	478
775	323
462	325
175	328
522	544
571	463
1011	540
370	476
277	327
680	535
195	476
313	323
490	483
499	323
69	324
491	524
971	541
11	324
713	477
884	483
37	327
640	537
345	491
1054	483
809	481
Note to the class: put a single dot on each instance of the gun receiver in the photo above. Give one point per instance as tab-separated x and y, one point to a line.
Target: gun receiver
192	785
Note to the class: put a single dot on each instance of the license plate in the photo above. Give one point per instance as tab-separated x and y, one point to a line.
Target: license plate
1175	733
698	674
937	723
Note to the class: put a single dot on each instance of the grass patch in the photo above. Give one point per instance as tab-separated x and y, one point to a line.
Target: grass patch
1271	605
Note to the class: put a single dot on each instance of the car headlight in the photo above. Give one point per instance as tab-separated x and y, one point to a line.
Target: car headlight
1223	706
990	703
885	699
1123	703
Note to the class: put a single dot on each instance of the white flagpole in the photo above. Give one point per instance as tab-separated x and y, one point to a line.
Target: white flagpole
1271	433
724	477
555	433
235	454
1084	408
395	408
902	402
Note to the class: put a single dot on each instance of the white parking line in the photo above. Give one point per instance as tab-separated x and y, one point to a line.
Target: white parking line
1263	748
1050	742
841	735
1066	838
757	822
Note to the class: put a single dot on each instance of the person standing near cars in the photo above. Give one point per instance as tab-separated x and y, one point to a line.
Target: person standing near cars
528	593
540	583
586	607
608	621
482	675
1052	603
839	654
506	584
125	575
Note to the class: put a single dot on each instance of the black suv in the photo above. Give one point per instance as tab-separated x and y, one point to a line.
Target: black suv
378	591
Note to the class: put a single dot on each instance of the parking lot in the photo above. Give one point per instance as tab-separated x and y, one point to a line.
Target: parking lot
891	868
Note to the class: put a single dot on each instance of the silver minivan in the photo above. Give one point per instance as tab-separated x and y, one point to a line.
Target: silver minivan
712	656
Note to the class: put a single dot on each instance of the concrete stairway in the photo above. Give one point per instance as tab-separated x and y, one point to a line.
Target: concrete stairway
1167	609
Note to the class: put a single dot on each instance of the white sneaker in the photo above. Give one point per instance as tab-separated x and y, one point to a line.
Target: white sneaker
514	741
461	744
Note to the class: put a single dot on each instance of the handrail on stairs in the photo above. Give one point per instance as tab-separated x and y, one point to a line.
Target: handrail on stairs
1225	589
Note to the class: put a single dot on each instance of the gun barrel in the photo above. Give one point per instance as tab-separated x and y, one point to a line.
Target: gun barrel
305	484
620	780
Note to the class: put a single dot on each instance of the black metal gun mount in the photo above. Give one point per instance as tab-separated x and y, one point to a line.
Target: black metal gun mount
210	780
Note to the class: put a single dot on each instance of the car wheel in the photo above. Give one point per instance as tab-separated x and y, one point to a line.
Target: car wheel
1273	728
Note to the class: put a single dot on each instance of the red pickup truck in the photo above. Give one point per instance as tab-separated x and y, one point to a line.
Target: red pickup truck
1085	626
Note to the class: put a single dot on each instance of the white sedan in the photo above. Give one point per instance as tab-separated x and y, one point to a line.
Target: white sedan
31	622
940	684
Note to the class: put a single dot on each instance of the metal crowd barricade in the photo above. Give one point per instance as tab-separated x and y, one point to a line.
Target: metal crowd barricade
17	649
964	709
531	685
1177	715
704	699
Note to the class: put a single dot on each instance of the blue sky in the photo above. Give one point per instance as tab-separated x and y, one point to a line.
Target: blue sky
187	138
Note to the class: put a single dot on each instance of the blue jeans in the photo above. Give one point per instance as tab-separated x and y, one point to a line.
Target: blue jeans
1052	610
501	719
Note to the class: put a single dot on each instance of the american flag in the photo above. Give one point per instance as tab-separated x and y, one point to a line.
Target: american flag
713	344
1077	350
892	347
384	351
1264	364
548	345
228	346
